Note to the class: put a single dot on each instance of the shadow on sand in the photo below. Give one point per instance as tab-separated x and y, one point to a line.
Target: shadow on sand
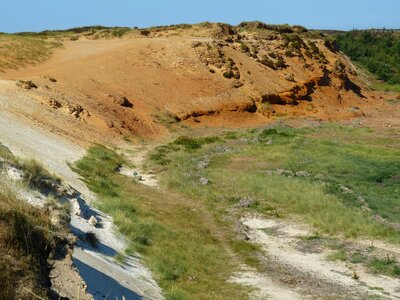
97	280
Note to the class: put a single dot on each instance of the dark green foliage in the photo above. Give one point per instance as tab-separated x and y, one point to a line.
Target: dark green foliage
378	51
280	63
267	62
194	143
388	266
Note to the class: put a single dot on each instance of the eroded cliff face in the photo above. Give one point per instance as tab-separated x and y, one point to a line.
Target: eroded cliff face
205	74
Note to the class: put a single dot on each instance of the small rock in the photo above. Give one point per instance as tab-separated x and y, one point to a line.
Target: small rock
26	84
93	221
124	102
269	172
75	207
51	79
196	44
245	202
54	103
15	174
345	189
204	181
284	172
145	32
290	78
319	176
302	174
220	149
241	232
203	164
354	109
237	84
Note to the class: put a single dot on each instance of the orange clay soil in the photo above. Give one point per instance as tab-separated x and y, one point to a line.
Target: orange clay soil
223	76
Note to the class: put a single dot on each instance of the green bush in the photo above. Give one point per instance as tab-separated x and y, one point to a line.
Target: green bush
376	50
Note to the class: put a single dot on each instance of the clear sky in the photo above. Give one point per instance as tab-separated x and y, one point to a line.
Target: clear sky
37	15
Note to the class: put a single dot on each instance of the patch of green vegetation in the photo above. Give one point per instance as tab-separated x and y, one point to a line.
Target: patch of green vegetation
338	255
188	142
343	163
248	251
376	50
393	101
35	174
387	266
6	154
387	87
231	135
177	238
313	236
357	257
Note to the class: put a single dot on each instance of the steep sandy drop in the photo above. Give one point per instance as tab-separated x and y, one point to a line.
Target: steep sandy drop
104	276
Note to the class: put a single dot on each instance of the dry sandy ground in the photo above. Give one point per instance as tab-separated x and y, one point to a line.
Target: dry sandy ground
165	77
136	156
97	266
295	271
28	141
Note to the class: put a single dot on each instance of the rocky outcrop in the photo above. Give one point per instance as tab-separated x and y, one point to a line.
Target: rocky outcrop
240	106
27	85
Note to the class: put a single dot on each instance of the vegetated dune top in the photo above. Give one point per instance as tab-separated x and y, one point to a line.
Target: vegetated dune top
201	75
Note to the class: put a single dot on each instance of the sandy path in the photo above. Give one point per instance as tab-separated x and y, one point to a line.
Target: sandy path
293	273
97	266
136	156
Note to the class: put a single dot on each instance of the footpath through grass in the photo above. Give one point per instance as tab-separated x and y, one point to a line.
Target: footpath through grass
344	169
187	231
178	239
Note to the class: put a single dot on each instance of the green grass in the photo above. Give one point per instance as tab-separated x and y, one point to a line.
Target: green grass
383	86
387	266
178	239
338	255
34	174
357	158
379	52
185	232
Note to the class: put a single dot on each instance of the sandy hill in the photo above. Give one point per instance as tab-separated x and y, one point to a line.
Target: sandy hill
200	75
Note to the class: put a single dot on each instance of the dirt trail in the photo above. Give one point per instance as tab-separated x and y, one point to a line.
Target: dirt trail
97	266
136	156
296	273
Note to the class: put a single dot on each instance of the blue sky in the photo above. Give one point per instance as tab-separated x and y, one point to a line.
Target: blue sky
24	15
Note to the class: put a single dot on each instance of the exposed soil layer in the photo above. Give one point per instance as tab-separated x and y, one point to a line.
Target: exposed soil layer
203	76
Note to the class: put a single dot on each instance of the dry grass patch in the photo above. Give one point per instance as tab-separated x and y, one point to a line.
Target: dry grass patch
20	51
25	243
